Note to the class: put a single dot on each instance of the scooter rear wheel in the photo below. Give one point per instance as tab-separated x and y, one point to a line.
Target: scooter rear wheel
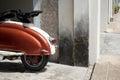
34	63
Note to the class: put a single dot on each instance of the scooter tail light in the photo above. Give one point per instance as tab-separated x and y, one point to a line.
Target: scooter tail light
53	41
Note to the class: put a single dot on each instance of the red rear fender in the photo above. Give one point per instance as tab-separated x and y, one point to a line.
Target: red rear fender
17	37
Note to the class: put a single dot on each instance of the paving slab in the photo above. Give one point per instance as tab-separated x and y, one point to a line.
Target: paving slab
107	68
100	72
15	71
114	72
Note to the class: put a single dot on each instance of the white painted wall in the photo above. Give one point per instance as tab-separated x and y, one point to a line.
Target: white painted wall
110	10
94	30
104	15
81	12
66	16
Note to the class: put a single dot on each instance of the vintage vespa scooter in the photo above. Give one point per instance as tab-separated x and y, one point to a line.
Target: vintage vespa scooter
22	39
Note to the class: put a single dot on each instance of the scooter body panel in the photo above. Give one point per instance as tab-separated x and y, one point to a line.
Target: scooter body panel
15	37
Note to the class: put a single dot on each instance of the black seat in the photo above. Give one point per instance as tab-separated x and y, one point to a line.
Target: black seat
6	15
32	14
18	15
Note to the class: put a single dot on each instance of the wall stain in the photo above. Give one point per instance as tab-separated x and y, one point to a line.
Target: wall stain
66	50
81	42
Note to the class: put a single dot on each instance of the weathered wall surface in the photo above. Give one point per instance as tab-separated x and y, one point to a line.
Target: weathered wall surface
49	20
81	32
66	23
73	32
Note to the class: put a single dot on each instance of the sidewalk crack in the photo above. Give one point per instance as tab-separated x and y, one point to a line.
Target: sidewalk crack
107	74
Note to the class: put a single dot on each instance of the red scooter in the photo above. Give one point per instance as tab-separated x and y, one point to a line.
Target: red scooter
20	38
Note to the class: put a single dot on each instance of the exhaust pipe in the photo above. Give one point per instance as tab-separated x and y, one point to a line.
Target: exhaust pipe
8	53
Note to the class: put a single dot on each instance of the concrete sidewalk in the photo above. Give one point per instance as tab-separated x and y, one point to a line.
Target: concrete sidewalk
114	26
15	71
107	68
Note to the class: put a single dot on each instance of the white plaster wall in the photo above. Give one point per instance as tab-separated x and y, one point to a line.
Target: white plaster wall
66	14
104	14
80	9
94	30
